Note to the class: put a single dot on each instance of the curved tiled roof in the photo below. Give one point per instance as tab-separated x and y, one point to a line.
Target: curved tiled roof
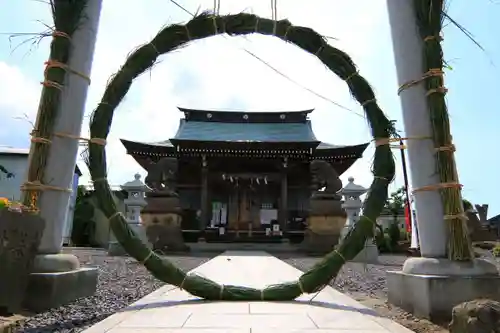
247	132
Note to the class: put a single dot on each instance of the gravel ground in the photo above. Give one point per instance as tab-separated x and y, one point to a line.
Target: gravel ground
356	277
367	285
121	281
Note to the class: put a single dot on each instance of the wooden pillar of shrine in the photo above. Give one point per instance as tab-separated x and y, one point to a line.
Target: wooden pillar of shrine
283	212
204	195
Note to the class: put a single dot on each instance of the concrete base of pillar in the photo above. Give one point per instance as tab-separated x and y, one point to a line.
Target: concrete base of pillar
115	249
50	290
369	255
430	288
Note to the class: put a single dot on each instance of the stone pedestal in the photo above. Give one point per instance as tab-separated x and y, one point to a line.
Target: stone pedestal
324	225
162	220
369	255
430	288
50	290
114	247
58	279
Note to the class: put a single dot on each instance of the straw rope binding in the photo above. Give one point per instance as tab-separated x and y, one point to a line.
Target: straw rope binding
433	72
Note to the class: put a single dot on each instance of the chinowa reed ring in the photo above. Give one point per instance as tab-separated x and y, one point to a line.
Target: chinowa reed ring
206	25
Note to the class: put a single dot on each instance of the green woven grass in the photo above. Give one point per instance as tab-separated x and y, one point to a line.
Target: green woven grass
429	19
203	26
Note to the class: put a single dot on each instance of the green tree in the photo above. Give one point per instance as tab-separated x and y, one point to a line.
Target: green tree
83	219
395	204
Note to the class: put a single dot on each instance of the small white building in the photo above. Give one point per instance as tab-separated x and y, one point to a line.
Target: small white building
15	162
386	218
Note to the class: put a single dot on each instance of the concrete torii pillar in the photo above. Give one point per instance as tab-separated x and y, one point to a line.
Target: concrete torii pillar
431	285
58	278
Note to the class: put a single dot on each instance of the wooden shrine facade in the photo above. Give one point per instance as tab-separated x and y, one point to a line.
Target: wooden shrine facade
244	172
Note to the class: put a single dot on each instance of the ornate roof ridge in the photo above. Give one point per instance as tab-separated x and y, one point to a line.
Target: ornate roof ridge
273	112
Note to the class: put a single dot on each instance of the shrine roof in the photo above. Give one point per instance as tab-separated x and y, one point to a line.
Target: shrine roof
245	132
245	116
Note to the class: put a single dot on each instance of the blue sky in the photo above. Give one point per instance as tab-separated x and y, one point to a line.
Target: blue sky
208	74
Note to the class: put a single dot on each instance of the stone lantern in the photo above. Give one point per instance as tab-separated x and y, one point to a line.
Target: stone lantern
134	203
352	205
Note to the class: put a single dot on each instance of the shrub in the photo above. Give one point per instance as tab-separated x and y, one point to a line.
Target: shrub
496	251
394	234
382	240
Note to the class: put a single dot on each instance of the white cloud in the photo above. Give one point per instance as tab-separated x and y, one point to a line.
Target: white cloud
217	73
18	103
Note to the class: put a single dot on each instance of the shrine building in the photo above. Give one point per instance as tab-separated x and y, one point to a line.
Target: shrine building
240	173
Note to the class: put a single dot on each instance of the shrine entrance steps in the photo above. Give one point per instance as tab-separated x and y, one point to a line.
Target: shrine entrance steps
171	310
284	247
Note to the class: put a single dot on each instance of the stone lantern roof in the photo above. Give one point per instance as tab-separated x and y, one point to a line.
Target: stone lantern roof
135	185
353	189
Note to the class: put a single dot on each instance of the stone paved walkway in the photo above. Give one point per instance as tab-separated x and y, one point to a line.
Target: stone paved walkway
171	310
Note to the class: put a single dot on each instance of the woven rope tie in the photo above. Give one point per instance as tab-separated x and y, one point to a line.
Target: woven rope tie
459	216
150	254
256	29
340	255
100	180
221	292
432	38
449	148
36	139
153	46
285	36
440	186
373	100
115	215
388	141
319	51
40	140
97	141
38	186
439	90
382	178
214	20
52	84
188	34
262	294
433	72
349	77
452	185
56	64
301	287
181	287
56	33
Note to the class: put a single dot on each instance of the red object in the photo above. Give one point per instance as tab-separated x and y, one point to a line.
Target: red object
407	217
